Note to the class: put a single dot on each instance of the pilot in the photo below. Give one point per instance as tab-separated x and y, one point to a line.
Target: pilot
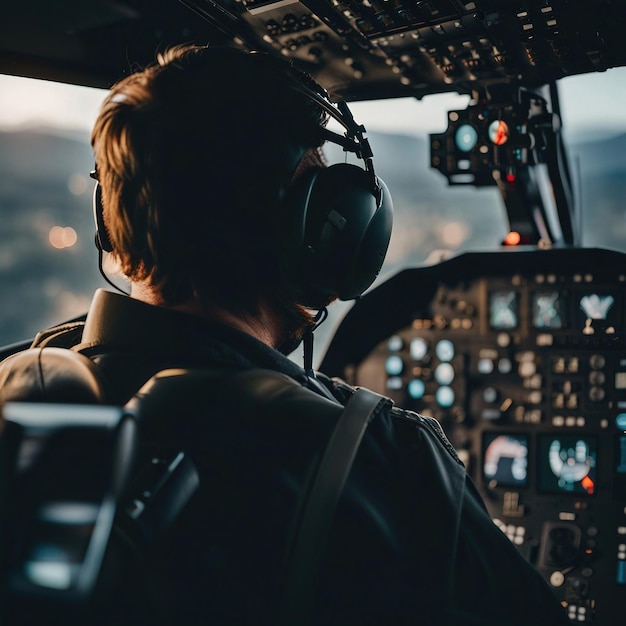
196	159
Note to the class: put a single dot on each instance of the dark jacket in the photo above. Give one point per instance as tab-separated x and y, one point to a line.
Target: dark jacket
411	542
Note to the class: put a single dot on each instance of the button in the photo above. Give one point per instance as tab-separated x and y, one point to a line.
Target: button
503	340
505	366
491	414
620	421
394	383
444	373
394	365
395	343
597	361
485	366
597	377
490	395
596	394
444	397
557	579
444	350
418	348
527	369
416	388
567	516
534	397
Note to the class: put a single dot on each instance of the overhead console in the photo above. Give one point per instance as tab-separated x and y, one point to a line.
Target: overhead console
386	48
521	357
356	49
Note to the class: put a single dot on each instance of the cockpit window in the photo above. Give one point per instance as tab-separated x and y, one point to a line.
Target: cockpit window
594	126
48	262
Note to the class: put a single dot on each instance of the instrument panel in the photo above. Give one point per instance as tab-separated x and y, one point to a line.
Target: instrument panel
520	356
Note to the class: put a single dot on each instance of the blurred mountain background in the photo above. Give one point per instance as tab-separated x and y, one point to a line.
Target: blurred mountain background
48	261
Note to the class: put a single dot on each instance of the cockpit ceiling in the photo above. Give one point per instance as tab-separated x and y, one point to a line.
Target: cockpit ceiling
358	49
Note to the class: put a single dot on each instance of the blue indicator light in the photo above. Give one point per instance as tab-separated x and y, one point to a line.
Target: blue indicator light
444	397
418	349
395	343
394	365
416	389
394	383
465	137
621	572
620	421
444	350
444	373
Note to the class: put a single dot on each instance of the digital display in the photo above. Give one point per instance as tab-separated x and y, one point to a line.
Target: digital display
503	313
548	310
599	311
499	132
505	459
567	464
597	307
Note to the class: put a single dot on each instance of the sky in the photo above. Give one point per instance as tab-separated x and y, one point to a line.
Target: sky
592	100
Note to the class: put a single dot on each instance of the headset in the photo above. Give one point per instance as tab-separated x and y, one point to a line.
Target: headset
335	222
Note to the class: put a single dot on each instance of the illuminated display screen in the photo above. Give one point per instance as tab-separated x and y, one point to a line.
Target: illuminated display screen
597	307
598	311
503	310
567	464
548	310
505	459
498	132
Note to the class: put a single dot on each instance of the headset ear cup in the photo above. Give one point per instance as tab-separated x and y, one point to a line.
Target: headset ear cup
102	237
337	235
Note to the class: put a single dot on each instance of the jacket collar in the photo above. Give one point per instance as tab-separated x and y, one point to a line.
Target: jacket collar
121	323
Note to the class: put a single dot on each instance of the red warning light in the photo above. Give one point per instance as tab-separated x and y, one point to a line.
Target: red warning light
512	239
510	178
588	484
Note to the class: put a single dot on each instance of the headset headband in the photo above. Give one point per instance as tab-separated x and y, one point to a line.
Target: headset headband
354	140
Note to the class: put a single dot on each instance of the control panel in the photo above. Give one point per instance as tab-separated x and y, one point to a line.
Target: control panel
524	364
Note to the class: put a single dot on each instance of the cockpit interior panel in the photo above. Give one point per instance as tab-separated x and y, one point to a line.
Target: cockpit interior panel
521	358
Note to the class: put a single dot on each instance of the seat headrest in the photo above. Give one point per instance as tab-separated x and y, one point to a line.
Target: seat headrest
50	375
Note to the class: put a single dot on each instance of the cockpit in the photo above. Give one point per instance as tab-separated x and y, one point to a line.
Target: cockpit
500	311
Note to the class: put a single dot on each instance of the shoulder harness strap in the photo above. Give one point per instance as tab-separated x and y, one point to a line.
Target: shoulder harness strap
312	532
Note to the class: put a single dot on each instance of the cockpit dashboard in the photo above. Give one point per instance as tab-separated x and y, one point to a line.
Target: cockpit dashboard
520	356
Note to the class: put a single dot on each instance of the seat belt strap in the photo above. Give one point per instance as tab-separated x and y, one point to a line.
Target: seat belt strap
311	535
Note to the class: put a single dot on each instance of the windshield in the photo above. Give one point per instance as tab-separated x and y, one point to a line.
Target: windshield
48	261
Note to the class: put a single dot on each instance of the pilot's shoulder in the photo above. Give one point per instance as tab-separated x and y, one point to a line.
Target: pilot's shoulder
419	424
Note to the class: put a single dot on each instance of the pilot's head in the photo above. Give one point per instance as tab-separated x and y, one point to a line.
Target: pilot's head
193	156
